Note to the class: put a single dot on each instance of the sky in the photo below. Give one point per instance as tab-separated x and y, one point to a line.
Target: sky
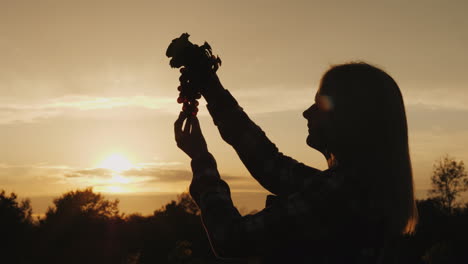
87	97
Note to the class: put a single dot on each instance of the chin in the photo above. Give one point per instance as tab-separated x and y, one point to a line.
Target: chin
313	143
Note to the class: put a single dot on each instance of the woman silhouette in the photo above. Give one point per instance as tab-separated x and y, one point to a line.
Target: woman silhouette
353	212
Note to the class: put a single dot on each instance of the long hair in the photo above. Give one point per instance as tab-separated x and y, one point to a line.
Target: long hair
370	134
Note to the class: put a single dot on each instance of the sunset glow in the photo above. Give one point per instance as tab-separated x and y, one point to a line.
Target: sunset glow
114	189
116	162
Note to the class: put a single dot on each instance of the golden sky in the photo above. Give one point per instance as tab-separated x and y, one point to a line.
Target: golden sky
85	85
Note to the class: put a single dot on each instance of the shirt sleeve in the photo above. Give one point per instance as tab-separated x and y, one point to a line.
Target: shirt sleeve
304	213
276	172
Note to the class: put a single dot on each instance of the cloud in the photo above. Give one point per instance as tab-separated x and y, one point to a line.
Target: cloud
169	175
32	179
144	179
81	106
92	103
260	100
452	98
140	175
159	164
159	175
436	118
257	101
41	178
98	172
20	172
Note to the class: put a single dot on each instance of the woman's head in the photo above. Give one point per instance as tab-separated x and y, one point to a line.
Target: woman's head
356	106
359	117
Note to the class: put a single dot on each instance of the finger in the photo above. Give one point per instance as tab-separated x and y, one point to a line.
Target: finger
180	119
196	130
188	122
196	126
178	124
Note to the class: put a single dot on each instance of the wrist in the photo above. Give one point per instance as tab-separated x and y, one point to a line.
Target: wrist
202	161
212	87
201	155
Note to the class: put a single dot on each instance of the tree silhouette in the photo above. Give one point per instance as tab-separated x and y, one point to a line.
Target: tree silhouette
185	201
449	180
83	203
82	227
175	234
15	228
12	210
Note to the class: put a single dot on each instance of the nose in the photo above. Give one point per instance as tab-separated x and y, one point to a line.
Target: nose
308	111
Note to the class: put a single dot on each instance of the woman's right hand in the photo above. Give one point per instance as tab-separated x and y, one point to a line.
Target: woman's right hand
190	139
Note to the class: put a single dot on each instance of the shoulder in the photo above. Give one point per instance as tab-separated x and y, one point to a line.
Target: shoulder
329	180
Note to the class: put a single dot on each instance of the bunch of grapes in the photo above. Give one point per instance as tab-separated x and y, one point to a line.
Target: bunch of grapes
194	61
188	94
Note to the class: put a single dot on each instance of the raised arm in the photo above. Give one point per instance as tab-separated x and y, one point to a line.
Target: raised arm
275	171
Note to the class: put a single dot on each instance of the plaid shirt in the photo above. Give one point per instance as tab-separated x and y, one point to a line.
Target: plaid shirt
311	217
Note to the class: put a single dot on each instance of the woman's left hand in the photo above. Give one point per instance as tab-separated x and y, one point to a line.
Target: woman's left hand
190	139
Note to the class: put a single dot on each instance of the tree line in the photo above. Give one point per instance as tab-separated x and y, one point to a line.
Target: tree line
84	227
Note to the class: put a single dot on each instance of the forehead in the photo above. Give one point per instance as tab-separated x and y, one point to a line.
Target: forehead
319	93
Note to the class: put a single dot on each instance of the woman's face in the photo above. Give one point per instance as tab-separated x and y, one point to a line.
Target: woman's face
318	122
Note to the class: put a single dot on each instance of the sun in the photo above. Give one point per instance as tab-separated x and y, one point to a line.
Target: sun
118	182
116	162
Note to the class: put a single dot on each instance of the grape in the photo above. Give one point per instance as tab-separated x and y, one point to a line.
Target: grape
179	88
195	111
180	100
196	103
